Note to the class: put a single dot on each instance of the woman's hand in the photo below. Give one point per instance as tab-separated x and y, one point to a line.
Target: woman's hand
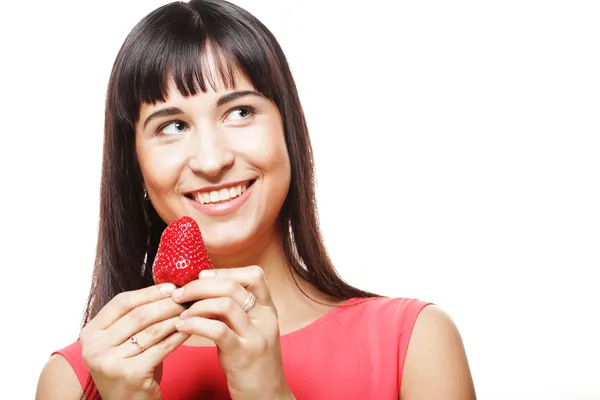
248	341
121	367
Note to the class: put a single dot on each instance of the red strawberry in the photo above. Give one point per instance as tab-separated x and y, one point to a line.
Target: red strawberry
181	253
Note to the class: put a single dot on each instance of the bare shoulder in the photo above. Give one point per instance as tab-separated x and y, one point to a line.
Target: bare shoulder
436	365
58	381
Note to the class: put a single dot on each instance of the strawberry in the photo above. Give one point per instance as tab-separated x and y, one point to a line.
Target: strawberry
181	253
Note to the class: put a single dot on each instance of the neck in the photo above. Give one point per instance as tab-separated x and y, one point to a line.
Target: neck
286	287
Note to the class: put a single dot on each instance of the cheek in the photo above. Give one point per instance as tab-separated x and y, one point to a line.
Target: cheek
160	166
265	149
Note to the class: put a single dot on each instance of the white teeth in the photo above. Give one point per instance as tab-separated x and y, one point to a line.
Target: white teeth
220	195
224	194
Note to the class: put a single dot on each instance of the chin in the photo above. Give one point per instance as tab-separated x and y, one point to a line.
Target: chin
238	247
225	240
226	246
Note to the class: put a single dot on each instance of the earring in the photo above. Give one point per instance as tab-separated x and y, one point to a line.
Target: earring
145	194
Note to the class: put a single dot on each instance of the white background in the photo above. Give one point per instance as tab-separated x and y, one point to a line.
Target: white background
458	161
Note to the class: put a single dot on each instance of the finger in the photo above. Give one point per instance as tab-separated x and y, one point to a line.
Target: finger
141	318
157	353
225	309
147	338
211	329
252	278
124	302
201	289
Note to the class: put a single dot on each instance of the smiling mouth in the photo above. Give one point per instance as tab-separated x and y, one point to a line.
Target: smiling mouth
222	195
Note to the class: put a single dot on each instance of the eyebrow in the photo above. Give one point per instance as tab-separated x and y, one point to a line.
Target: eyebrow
227	98
165	112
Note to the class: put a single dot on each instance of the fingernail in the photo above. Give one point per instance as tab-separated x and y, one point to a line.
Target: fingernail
184	314
179	323
167	288
177	293
208	273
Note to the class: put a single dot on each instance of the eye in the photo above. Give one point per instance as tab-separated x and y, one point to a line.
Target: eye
240	114
173	128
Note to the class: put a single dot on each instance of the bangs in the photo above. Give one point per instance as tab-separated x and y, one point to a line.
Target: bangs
193	49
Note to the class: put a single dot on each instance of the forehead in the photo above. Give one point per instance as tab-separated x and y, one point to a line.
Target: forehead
193	72
218	78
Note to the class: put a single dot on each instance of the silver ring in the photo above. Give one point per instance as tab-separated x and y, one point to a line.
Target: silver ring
250	301
134	340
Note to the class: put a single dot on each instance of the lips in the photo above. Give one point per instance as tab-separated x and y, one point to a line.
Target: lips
220	195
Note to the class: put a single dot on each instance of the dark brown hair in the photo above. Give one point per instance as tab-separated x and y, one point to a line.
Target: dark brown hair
172	42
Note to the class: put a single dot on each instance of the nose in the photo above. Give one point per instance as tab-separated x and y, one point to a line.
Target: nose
210	152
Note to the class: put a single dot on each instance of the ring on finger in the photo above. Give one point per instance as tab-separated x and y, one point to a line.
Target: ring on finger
134	340
250	301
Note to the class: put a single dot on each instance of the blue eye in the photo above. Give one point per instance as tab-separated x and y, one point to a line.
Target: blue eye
240	113
173	128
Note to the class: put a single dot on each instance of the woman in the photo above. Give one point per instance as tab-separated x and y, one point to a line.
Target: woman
203	119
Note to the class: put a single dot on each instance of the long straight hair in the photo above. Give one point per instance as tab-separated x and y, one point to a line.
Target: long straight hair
172	43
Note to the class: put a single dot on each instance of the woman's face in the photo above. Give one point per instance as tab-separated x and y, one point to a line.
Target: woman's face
219	157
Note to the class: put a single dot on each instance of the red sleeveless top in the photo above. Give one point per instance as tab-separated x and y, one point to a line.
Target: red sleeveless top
356	351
